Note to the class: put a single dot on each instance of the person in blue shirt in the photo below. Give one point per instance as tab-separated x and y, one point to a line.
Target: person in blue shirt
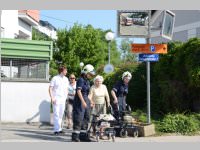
119	93
81	106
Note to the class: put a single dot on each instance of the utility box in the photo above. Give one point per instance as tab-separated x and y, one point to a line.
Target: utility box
145	129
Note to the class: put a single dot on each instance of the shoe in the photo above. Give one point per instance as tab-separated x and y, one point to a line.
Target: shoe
102	138
56	133
75	137
61	132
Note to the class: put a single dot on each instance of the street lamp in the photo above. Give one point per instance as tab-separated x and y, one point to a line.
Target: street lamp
109	37
81	65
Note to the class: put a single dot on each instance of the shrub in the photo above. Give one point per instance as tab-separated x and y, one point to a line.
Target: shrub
179	123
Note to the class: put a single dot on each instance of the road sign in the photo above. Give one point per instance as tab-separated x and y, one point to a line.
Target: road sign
108	68
148	57
149	48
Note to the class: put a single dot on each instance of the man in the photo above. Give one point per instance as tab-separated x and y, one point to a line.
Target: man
119	93
58	91
81	106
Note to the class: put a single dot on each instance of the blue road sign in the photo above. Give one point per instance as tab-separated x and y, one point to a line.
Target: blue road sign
153	49
148	57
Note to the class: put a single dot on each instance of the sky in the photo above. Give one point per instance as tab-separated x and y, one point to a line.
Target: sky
104	19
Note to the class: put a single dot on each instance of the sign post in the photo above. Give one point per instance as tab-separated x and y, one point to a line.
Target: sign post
148	73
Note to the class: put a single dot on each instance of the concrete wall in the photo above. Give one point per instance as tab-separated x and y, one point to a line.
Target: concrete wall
9	21
25	101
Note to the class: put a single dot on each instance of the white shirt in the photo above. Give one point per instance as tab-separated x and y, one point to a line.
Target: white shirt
72	90
60	86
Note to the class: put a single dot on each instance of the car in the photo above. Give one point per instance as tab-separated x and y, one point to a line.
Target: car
128	21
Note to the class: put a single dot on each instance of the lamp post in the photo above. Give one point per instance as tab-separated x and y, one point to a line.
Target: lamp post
109	37
81	65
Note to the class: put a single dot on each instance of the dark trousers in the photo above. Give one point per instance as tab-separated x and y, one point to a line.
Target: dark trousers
81	116
119	107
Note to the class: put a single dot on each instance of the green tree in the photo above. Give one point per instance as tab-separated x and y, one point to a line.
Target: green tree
84	44
126	54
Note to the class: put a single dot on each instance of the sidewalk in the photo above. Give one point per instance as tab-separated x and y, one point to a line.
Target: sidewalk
35	132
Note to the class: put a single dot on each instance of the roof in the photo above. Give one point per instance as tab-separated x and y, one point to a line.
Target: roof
47	24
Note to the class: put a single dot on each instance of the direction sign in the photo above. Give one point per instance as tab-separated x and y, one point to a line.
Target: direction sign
149	48
148	57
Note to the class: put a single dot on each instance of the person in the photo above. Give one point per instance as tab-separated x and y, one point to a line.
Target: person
119	93
99	97
69	103
58	91
81	106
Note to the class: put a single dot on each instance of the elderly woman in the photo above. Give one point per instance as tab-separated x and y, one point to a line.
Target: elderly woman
99	96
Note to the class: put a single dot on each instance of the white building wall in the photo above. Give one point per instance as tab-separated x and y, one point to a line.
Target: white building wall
25	101
9	21
25	28
47	31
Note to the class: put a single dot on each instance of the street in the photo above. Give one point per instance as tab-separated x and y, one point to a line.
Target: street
21	132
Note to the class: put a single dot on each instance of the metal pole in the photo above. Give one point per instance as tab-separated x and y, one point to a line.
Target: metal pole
148	72
0	65
109	52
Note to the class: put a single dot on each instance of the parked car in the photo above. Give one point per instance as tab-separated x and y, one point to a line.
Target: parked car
128	21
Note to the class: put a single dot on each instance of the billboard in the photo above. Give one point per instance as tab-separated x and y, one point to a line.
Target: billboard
132	23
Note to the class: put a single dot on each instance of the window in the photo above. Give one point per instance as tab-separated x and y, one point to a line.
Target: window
2	32
24	69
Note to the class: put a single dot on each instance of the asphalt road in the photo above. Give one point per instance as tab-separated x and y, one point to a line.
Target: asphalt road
12	132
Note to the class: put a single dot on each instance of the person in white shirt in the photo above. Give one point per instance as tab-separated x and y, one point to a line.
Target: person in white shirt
69	103
58	91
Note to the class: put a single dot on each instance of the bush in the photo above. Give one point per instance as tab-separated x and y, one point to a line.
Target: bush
139	115
179	123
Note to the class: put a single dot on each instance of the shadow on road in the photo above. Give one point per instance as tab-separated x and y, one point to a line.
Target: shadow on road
41	135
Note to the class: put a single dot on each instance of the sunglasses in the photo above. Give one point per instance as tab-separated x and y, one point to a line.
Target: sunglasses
72	78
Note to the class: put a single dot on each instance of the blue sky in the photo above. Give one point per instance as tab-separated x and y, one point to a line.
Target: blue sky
104	19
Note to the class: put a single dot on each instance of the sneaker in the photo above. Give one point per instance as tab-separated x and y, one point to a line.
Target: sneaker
56	133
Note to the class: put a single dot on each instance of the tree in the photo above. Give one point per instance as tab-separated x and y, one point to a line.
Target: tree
127	55
84	44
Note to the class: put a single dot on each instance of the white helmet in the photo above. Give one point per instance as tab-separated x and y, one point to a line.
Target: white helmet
127	74
88	69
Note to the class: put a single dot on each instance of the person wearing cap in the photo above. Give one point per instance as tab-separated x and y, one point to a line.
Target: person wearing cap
100	98
119	93
58	91
81	106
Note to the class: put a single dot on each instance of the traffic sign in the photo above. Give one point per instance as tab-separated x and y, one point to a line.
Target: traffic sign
149	48
108	68
148	57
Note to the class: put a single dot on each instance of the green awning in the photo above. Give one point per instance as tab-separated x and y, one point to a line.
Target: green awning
26	49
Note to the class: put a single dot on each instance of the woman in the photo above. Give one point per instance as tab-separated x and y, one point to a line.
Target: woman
99	97
81	106
71	94
119	93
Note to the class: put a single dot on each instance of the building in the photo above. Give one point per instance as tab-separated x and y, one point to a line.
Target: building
187	25
17	24
20	24
24	69
48	29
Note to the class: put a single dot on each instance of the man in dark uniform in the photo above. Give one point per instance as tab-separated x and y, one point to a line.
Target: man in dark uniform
119	93
81	106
